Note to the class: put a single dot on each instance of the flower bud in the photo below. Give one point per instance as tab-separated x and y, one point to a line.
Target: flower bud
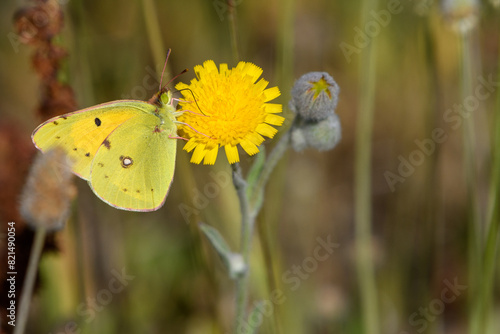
323	135
314	96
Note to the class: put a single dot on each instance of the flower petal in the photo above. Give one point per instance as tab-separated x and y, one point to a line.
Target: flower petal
249	147
232	154
190	145
261	85
211	156
266	130
255	138
274	119
198	154
181	85
271	93
273	108
249	69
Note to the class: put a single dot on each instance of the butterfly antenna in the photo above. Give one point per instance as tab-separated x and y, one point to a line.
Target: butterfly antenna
194	97
178	75
164	67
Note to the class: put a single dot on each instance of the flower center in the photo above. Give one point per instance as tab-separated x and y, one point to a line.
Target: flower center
320	86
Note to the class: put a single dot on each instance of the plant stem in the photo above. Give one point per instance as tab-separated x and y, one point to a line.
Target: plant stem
363	214
233	34
29	281
474	220
154	32
484	300
275	156
247	227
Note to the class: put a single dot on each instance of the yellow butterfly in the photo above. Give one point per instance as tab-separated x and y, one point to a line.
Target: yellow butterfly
125	149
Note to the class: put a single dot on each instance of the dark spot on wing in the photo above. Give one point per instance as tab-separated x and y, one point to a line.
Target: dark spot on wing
55	123
58	137
138	191
75	149
97	121
106	177
100	164
87	154
124	190
64	117
126	161
106	143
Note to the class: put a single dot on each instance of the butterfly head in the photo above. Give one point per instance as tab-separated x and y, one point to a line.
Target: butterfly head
161	98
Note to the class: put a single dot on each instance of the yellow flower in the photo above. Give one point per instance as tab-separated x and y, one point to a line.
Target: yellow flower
231	108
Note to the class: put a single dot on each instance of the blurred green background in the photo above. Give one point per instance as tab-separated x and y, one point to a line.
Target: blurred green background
421	224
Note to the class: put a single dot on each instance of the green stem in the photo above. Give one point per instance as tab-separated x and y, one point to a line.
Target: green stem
474	221
154	32
29	281
484	301
363	213
275	156
247	227
233	33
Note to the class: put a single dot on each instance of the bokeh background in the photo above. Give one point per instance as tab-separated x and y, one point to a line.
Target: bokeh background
429	228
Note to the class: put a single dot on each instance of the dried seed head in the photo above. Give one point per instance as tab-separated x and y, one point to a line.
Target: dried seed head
314	96
39	23
48	192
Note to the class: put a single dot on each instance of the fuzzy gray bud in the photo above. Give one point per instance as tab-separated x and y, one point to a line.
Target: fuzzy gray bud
314	96
314	99
323	135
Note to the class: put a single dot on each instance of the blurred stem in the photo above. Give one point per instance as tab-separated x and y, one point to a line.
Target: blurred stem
285	54
154	32
474	222
29	281
484	301
247	227
363	214
284	73
274	157
233	32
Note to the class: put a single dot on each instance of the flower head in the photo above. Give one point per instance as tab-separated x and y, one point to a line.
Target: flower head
229	107
314	96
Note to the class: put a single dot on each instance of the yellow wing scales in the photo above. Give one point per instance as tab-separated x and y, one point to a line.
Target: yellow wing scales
135	170
80	134
124	149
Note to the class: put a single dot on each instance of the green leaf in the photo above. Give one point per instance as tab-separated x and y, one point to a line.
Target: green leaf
233	261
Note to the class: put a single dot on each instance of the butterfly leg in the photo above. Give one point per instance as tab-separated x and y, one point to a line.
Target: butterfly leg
193	129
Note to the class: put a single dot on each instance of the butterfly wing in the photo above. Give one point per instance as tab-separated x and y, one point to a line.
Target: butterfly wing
134	169
81	133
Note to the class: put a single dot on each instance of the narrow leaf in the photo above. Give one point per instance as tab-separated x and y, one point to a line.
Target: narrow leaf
233	261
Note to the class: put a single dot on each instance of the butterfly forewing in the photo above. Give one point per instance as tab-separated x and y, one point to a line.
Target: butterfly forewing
80	134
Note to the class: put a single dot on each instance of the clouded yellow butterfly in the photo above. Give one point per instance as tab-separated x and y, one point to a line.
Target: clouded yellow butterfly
125	149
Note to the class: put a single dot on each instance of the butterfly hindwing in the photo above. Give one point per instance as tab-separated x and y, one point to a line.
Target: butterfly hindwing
134	167
80	134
